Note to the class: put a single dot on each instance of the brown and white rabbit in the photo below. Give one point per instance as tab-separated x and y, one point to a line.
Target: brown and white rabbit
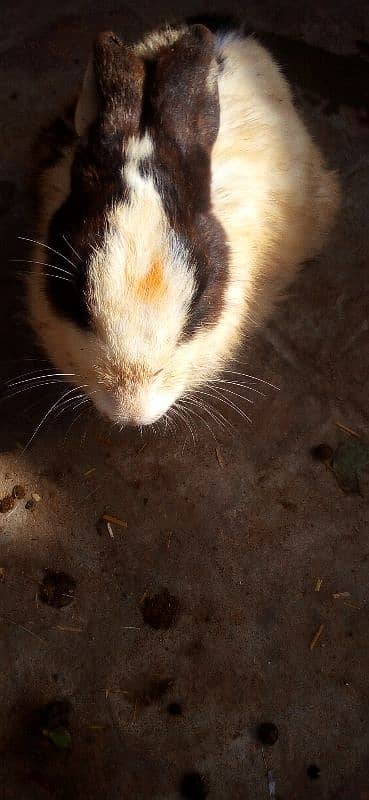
192	194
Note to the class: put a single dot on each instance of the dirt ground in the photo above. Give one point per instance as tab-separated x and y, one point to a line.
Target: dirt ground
168	641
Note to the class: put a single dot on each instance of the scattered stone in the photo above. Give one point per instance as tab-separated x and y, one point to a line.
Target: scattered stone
194	786
31	504
57	589
175	709
19	492
323	452
160	610
7	504
313	772
267	733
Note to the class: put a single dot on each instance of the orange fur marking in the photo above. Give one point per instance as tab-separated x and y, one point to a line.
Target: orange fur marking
152	285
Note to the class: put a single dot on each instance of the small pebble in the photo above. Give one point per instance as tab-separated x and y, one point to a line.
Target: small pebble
267	733
194	786
175	709
19	492
160	610
57	589
31	504
323	452
7	504
313	772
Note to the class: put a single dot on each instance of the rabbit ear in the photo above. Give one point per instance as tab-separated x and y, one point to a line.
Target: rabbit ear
185	91
119	78
87	108
112	87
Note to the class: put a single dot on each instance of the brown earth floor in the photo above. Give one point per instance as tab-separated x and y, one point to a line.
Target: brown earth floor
237	530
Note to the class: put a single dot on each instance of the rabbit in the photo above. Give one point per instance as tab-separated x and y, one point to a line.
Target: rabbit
170	227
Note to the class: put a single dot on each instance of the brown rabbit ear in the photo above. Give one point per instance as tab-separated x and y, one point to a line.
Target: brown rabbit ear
185	95
119	78
87	107
112	87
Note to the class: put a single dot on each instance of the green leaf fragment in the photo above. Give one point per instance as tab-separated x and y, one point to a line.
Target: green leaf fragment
60	737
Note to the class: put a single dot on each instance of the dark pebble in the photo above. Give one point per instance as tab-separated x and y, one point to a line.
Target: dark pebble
31	504
7	504
313	772
19	492
194	786
175	709
57	589
267	733
323	452
160	610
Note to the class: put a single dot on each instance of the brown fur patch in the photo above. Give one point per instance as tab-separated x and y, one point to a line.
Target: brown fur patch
119	76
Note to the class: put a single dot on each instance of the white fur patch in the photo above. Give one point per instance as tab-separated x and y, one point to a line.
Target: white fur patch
136	151
139	148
